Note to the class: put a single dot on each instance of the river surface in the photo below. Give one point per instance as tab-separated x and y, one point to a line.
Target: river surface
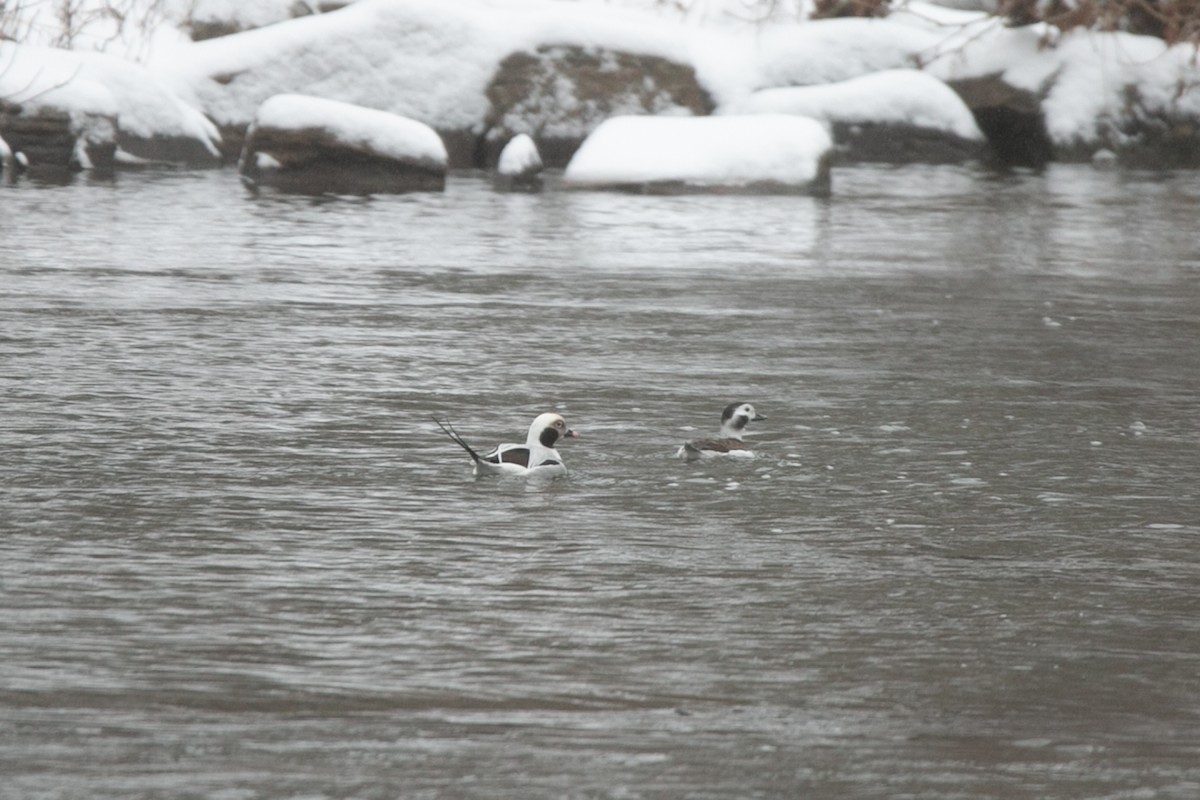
238	560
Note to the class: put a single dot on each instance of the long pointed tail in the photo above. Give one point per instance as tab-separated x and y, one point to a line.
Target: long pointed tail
448	429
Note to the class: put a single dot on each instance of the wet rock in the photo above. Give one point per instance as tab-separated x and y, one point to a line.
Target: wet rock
313	146
98	111
52	140
899	143
1010	117
1065	96
1152	139
558	94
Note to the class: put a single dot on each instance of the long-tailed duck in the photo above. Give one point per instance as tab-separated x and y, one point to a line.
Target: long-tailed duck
729	442
536	456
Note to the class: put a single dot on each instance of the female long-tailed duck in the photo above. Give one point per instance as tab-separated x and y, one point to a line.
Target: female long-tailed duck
728	442
536	457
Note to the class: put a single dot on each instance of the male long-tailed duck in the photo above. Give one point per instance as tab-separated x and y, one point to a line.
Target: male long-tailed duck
728	442
536	456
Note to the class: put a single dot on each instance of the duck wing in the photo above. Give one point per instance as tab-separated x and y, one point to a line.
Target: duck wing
699	448
517	454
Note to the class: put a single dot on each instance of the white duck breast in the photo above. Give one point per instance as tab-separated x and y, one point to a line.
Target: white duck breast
728	442
537	456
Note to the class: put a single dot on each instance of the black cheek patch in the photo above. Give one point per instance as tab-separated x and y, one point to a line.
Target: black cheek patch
548	437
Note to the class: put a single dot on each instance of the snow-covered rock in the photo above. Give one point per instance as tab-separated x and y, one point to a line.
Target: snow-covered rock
109	103
313	145
481	71
520	164
1073	94
560	93
892	115
757	153
434	61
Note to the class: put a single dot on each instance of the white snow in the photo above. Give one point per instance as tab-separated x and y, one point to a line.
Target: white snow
239	13
1086	76
104	85
431	61
702	151
265	161
831	50
519	157
364	128
426	59
900	96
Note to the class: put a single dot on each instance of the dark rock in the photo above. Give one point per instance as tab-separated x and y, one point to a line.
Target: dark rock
1151	138
316	159
892	143
558	94
1010	118
159	150
1143	135
53	140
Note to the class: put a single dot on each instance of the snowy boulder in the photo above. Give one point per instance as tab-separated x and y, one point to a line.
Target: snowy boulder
312	145
560	93
114	110
1065	96
896	116
758	153
473	70
520	165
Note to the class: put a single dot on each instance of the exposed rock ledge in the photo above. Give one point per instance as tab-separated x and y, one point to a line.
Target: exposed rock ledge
314	146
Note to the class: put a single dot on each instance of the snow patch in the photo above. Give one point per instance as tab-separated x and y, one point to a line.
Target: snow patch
828	51
364	128
728	151
99	84
899	97
519	157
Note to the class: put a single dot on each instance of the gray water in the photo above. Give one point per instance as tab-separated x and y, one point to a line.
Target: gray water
238	561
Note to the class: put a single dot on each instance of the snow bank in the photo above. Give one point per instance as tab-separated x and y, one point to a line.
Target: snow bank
425	59
832	50
236	14
897	97
1092	84
87	83
363	129
770	152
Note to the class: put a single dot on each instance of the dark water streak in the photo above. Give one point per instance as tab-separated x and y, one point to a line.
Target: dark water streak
238	560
